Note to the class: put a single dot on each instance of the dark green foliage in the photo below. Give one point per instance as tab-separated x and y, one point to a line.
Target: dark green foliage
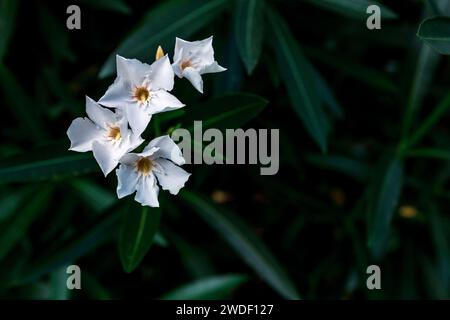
364	152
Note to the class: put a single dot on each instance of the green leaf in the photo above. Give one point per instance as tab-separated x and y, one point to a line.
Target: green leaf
211	288
350	167
226	112
56	35
160	26
13	229
75	247
353	8
45	163
249	31
229	56
443	154
438	231
244	242
119	6
371	77
430	121
427	61
8	12
10	201
98	198
300	82
137	234
18	101
386	197
195	260
93	288
58	286
436	33
326	94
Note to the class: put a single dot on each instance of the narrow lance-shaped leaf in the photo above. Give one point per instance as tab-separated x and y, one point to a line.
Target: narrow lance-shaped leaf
16	227
174	18
353	8
45	164
139	227
438	226
58	289
436	115
426	63
386	196
225	112
55	34
249	30
436	153
300	82
372	77
214	287
244	242
436	33
95	196
119	6
75	248
348	166
18	101
8	12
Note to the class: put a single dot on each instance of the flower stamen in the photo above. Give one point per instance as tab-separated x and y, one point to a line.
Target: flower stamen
144	165
114	134
186	64
141	94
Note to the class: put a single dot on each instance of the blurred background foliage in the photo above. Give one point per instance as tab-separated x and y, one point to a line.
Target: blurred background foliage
364	153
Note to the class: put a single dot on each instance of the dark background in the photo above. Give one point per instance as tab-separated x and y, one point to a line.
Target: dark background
312	221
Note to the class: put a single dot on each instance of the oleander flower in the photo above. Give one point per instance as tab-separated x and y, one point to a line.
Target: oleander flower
141	90
158	162
105	133
192	59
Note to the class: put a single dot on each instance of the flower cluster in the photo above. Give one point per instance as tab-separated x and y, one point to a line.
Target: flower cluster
115	123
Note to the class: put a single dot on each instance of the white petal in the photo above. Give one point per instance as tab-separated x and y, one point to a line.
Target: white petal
200	51
127	178
163	101
178	52
132	70
106	156
135	141
204	51
167	148
82	133
129	159
171	177
194	77
138	117
130	140
147	152
147	191
101	116
118	94
162	75
212	68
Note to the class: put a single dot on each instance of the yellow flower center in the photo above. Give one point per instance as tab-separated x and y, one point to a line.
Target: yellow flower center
186	64
141	94
114	133
144	165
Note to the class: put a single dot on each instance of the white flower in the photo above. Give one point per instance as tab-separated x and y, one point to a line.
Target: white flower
105	133
158	162
192	59
141	90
